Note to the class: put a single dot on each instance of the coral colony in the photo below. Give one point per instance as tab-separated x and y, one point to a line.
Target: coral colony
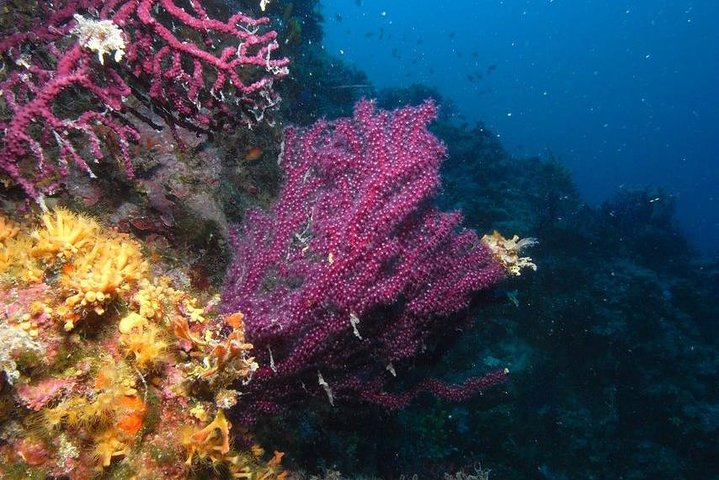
353	271
112	364
125	61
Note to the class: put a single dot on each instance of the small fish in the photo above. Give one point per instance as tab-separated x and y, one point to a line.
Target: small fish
356	85
452	34
338	18
491	69
369	34
253	154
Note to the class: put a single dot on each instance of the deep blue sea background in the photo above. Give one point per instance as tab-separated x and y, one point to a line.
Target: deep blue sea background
623	92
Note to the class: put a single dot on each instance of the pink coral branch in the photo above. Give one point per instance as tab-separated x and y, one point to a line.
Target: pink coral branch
353	269
194	71
35	130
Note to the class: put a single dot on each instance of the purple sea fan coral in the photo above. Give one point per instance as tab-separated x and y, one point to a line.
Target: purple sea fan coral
79	74
354	270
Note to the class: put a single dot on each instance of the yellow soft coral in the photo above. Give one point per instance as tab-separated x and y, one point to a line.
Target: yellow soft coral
142	339
211	442
112	267
108	445
15	262
7	229
152	298
64	235
160	350
506	251
111	415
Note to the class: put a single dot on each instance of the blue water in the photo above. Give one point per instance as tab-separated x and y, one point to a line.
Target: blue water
624	92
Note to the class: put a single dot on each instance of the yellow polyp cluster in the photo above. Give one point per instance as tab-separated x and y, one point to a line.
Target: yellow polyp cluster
142	339
507	250
193	312
152	298
89	266
130	375
99	407
111	268
8	229
15	261
109	446
211	444
63	235
110	414
144	331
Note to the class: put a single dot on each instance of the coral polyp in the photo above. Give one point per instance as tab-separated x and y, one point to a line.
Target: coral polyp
111	368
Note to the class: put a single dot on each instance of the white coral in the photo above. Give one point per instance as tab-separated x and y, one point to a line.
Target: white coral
506	251
101	36
13	342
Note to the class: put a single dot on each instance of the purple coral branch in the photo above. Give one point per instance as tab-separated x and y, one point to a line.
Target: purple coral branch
194	71
353	269
153	45
36	131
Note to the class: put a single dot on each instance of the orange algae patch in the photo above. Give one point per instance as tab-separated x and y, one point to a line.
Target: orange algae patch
211	441
236	320
131	422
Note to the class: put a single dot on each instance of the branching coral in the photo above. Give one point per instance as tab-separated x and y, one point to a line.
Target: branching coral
123	62
354	272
